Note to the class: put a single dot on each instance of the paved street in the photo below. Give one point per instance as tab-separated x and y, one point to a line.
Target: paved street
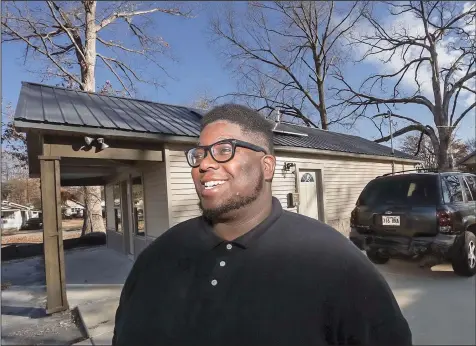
439	306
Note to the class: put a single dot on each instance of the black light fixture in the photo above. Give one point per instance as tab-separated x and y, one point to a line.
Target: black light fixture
88	140
98	143
288	165
102	144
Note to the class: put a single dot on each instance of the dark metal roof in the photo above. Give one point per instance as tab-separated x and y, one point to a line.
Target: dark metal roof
43	104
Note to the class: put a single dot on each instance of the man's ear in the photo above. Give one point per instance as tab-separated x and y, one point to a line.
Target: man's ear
269	165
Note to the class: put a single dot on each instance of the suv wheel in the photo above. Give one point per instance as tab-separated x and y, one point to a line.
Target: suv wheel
376	257
464	262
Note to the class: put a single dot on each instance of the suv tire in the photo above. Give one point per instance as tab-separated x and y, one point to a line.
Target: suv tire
376	257
464	261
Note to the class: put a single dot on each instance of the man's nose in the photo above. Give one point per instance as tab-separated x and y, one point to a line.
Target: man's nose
208	162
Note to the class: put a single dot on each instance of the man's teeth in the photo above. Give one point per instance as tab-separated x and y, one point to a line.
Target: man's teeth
211	184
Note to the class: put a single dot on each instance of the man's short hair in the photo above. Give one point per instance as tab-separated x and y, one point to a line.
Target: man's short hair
249	120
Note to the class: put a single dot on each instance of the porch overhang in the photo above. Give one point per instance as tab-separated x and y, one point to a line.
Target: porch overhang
82	165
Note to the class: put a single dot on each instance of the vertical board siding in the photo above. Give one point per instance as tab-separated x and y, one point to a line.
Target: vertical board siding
155	199
183	197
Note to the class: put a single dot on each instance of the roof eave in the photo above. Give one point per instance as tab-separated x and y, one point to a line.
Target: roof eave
163	138
344	154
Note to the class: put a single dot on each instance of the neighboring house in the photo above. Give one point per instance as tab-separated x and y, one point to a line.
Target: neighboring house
148	187
14	216
469	162
72	209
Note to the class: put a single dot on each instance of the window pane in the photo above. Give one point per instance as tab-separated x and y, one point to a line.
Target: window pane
117	207
471	180
402	189
452	190
138	206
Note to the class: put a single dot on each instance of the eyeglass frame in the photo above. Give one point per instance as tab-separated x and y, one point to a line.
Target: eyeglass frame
234	144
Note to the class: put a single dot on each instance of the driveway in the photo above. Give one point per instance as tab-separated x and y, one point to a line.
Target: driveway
439	306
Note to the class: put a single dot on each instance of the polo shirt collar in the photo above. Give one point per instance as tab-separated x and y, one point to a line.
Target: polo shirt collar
212	240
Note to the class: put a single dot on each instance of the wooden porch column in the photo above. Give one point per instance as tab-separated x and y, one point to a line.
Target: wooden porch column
53	235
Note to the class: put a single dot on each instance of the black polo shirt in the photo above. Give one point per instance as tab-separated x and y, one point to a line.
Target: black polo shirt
292	280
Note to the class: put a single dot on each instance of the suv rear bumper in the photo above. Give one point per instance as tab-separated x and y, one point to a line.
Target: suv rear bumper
440	245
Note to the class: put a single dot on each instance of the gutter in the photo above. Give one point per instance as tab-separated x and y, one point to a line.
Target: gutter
342	154
161	138
117	134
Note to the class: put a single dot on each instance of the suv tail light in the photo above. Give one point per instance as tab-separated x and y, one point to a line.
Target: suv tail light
445	220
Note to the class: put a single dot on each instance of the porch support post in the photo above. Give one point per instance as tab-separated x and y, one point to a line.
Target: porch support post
53	235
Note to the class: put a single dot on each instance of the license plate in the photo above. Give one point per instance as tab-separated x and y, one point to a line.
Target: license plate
391	220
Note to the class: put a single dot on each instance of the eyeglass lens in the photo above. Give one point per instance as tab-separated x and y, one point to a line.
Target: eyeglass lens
221	152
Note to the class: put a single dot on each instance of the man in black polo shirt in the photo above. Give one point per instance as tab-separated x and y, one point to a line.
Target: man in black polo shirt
247	273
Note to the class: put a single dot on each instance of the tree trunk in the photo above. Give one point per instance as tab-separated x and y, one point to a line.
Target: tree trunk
322	107
444	152
93	220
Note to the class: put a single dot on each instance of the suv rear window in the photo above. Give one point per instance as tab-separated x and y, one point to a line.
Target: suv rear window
401	189
452	189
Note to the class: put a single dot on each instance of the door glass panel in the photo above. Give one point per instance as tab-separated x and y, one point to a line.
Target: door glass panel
452	189
117	207
138	206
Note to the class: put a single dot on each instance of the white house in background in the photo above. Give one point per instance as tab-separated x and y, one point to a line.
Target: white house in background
72	209
14	216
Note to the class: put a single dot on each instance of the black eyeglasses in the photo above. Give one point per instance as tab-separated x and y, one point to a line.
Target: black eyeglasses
222	151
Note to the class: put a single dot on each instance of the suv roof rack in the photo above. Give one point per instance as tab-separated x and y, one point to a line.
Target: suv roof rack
421	170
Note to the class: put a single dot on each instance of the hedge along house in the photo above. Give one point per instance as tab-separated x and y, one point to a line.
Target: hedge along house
137	154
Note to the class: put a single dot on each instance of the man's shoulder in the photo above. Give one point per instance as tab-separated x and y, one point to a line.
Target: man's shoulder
180	230
302	224
175	236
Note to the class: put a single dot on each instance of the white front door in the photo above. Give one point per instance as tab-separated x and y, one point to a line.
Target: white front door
308	194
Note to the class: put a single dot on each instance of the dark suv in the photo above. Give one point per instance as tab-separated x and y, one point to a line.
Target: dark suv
429	216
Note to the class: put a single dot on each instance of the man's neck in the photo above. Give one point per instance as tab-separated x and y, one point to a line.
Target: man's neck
247	219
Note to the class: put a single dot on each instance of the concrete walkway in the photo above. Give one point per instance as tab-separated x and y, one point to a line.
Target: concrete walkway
94	280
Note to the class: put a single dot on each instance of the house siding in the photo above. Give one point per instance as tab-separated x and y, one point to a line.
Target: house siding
343	180
183	199
155	199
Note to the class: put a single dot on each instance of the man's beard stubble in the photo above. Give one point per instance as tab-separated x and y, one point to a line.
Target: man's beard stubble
233	203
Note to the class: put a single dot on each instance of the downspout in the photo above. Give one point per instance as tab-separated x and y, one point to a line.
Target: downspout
278	119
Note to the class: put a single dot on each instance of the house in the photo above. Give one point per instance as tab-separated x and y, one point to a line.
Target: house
15	216
469	162
72	209
135	149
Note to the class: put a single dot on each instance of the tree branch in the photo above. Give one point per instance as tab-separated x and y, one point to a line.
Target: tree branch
76	41
404	130
115	73
105	22
42	51
464	113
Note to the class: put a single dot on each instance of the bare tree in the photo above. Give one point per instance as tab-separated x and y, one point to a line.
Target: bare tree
282	53
449	87
471	143
421	147
72	38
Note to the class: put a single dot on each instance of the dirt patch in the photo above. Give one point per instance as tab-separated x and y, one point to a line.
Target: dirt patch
71	230
34	237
